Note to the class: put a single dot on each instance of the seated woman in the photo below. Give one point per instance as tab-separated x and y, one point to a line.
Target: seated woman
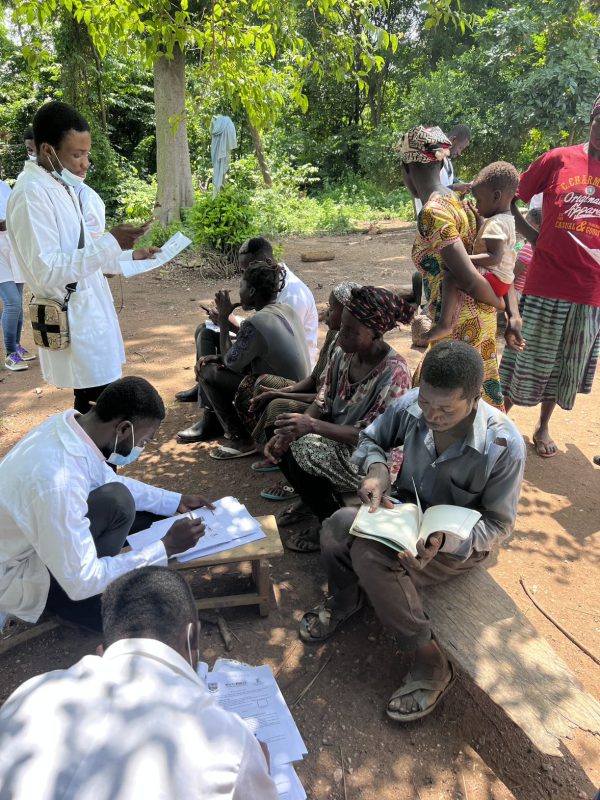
364	376
272	340
259	402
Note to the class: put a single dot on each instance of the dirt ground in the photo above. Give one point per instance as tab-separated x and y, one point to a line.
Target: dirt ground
467	749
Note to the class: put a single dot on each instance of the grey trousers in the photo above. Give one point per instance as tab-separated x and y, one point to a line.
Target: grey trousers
355	565
112	516
219	385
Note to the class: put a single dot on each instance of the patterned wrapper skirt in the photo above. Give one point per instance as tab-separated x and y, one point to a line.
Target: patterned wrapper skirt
258	423
560	355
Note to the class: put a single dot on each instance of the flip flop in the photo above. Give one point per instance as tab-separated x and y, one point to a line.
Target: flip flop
264	466
540	447
327	621
305	541
281	491
411	685
223	453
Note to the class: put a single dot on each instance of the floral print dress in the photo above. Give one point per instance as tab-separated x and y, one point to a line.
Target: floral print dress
347	403
446	219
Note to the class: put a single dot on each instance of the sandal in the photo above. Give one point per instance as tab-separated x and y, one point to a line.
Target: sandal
280	491
427	689
264	466
296	512
305	541
326	619
545	448
223	453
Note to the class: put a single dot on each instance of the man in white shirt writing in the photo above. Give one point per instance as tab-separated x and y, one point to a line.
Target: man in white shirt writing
137	723
64	514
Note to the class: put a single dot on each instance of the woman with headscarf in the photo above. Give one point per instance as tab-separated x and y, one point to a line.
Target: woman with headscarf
260	401
560	306
446	228
364	376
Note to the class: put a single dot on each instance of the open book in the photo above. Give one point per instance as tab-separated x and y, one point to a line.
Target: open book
402	526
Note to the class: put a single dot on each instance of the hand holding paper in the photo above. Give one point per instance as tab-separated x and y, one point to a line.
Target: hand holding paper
167	252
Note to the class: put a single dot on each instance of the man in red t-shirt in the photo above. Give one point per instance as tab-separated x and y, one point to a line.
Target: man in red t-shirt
555	340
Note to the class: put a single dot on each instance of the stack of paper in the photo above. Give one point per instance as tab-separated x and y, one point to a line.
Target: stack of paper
229	525
253	693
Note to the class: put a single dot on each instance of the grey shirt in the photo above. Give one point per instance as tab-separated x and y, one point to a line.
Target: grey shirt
272	341
483	471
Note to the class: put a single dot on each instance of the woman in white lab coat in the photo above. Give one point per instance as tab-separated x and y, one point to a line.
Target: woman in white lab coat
54	248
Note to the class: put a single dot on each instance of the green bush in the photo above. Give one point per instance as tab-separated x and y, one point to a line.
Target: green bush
159	234
136	197
223	222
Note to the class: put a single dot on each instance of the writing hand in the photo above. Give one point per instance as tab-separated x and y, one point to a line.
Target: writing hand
182	535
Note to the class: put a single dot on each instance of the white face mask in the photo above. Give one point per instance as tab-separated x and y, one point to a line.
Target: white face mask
66	176
31	157
118	460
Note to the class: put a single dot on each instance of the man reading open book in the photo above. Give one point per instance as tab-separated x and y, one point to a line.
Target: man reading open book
458	450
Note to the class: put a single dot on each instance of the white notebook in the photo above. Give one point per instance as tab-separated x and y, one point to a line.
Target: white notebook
402	526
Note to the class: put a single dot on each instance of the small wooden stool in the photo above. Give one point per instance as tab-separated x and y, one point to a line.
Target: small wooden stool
258	554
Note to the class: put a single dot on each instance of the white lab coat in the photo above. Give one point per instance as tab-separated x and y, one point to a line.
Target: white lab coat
46	480
134	724
93	209
44	224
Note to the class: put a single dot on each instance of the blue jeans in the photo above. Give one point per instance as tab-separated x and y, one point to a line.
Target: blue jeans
11	294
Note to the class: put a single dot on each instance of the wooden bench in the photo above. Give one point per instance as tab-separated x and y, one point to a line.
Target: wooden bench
258	554
483	631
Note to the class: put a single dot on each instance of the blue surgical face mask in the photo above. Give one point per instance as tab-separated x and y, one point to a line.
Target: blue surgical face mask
31	157
66	176
118	460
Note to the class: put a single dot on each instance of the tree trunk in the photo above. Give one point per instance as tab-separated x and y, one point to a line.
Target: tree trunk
174	173
260	155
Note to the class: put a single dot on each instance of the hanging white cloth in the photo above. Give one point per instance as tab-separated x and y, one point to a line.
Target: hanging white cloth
223	142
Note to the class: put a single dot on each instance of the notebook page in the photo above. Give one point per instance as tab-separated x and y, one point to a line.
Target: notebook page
397	525
455	520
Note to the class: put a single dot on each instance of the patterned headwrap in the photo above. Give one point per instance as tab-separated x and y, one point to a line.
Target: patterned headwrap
379	309
423	145
596	107
343	291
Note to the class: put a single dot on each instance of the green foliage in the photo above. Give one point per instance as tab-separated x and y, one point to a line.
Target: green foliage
244	208
223	222
135	197
159	234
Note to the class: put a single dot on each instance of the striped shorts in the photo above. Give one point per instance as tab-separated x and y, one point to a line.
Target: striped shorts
560	356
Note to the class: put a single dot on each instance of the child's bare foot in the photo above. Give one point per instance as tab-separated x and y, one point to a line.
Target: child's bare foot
437	332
